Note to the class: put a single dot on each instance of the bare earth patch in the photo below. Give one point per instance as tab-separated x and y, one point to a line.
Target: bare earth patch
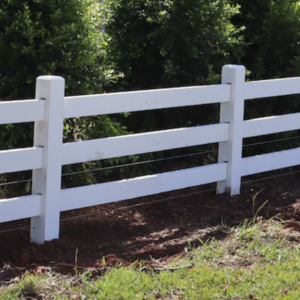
153	233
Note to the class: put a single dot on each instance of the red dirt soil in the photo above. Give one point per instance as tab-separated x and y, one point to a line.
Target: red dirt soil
153	232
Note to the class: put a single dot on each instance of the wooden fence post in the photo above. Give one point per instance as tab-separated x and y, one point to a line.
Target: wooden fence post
47	180
232	112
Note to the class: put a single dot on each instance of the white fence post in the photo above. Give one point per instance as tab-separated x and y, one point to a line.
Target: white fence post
47	180
233	113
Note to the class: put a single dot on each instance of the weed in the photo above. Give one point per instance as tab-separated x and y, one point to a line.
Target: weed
253	203
182	221
76	260
29	286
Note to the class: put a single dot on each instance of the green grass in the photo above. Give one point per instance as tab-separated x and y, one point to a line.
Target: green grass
255	261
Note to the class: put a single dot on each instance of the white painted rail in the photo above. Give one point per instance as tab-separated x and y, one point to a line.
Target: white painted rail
272	88
143	143
22	111
22	207
28	159
105	104
269	125
270	161
48	153
140	186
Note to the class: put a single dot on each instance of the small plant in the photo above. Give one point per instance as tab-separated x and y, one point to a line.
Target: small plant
182	221
76	259
254	214
136	263
189	246
29	286
103	261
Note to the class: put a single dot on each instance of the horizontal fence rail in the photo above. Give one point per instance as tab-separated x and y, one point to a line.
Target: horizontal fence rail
20	208
105	104
270	161
141	186
272	88
49	154
143	143
22	111
269	125
28	159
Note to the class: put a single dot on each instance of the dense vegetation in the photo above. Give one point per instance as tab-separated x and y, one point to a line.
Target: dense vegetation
179	43
170	43
48	37
56	37
176	43
272	37
272	50
160	44
153	44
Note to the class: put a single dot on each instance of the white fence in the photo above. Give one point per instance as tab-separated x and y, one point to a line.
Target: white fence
48	153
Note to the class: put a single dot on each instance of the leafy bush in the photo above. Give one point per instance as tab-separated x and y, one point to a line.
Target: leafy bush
166	43
170	43
272	37
54	37
49	37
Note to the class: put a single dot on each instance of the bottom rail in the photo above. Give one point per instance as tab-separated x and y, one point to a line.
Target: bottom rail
80	197
270	161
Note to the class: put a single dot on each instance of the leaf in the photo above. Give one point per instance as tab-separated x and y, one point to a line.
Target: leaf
28	186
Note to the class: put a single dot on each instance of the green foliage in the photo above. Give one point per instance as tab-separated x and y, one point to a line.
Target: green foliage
48	37
272	37
158	44
170	43
56	37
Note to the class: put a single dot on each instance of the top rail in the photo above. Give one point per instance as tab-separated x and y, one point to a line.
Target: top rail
22	111
144	100
272	88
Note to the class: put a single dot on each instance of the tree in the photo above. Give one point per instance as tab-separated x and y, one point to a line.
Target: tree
159	44
53	37
43	37
170	43
272	37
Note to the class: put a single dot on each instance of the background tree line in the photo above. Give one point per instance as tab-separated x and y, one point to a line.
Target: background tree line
123	45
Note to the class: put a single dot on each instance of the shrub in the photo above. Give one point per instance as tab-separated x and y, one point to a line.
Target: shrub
160	44
271	34
43	37
272	37
170	43
53	37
